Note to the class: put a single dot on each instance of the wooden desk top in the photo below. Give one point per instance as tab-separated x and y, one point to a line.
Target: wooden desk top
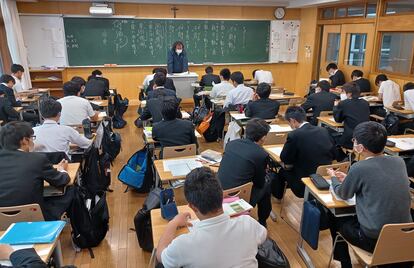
101	103
158	224
328	120
325	197
26	99
396	150
281	96
43	250
73	169
272	154
403	111
18	109
150	140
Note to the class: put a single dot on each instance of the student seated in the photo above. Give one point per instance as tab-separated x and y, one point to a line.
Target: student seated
321	100
74	108
306	148
217	240
263	76
52	137
97	74
80	81
172	131
23	173
380	184
388	91
17	73
245	160
364	84
350	112
336	76
27	257
223	88
209	79
169	83
7	112
409	96
96	87
240	95
261	106
159	85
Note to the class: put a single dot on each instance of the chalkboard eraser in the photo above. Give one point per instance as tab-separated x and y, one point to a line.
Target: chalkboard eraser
110	65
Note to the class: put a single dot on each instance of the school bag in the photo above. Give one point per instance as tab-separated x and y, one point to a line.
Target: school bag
269	255
391	123
95	170
120	107
89	218
199	114
137	173
215	129
111	141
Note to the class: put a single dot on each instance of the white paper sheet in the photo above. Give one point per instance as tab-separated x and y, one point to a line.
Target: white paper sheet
102	114
279	128
96	102
332	119
181	167
351	201
185	115
237	116
403	143
276	150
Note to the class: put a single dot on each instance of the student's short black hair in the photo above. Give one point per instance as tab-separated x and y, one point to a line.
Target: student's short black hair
295	112
380	78
331	65
50	108
263	90
353	88
6	78
169	109
324	85
256	129
225	73
13	133
408	86
159	79
202	189
357	73
155	70
96	72
79	80
209	70
160	70
71	88
16	67
177	43
237	77
254	72
372	135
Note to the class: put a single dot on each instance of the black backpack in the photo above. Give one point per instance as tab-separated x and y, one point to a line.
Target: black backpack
89	225
269	255
95	171
111	141
215	130
391	123
120	107
198	114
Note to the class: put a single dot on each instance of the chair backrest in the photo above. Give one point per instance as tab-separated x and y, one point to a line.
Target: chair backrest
343	167
243	191
395	244
179	151
326	113
273	138
9	215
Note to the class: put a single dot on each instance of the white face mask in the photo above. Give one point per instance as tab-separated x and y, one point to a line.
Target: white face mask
178	51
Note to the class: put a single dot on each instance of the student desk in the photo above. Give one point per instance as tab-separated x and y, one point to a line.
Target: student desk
147	135
73	171
102	103
274	151
396	150
338	209
329	122
408	114
283	98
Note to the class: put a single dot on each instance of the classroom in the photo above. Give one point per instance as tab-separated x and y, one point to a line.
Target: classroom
206	133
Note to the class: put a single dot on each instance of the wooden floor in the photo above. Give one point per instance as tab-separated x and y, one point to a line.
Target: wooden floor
120	247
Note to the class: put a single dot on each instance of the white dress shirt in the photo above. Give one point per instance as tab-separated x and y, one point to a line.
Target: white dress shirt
74	110
263	77
409	99
239	95
217	242
52	137
390	92
18	86
147	80
221	90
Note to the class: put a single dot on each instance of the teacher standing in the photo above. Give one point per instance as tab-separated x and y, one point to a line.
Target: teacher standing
177	58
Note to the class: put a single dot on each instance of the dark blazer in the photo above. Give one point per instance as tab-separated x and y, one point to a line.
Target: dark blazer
10	95
243	161
153	108
364	85
25	258
103	79
22	176
351	112
174	132
154	93
262	108
208	79
306	148
7	112
96	87
338	79
169	83
318	102
177	63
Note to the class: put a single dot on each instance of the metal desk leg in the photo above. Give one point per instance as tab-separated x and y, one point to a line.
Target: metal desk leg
57	255
300	246
152	259
157	179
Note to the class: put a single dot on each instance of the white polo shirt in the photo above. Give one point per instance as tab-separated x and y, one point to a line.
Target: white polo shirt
221	90
217	242
239	95
74	110
18	86
263	77
409	99
390	92
51	137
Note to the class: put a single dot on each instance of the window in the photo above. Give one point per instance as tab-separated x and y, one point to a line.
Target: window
356	11
396	52
357	45
340	12
332	48
328	13
371	10
400	6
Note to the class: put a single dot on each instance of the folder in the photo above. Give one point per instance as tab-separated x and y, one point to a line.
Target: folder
41	232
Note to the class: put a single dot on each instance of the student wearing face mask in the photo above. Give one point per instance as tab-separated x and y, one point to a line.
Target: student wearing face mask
177	58
336	76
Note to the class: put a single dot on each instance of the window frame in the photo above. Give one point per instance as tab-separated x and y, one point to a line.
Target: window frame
348	49
384	10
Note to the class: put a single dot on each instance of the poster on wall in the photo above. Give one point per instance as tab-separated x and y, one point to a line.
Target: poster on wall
284	40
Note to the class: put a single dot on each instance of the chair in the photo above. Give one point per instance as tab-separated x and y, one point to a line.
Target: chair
243	191
274	138
395	244
179	151
9	215
343	167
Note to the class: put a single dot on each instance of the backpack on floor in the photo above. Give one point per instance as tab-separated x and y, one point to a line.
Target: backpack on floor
215	130
89	217
120	107
391	123
111	141
95	170
269	255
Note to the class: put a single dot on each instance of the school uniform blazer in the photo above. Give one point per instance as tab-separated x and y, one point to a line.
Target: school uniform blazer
262	108
153	108
351	112
364	85
174	132
9	93
208	79
318	102
165	91
25	258
96	87
22	176
7	112
338	79
169	83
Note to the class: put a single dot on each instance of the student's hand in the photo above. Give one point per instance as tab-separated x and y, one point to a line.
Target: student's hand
5	251
181	220
63	165
340	175
255	96
336	102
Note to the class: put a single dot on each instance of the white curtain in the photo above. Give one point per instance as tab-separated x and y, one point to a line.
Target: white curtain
15	38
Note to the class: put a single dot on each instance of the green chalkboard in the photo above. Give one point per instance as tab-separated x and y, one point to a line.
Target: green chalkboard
98	41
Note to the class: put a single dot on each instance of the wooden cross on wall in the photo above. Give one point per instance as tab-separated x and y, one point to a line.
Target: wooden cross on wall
174	9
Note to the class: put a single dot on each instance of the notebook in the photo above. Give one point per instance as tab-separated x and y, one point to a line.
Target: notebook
41	232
